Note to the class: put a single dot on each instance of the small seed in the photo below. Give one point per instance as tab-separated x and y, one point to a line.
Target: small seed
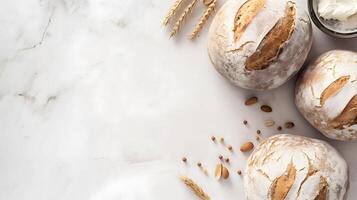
227	160
257	138
279	128
246	147
221	140
184	159
259	132
251	101
213	138
220	157
230	148
269	123
289	125
199	164
266	108
245	122
239	172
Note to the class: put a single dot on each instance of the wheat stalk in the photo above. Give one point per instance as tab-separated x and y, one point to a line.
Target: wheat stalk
195	188
182	18
172	11
203	19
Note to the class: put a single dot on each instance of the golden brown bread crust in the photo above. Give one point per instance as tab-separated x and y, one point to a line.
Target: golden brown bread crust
245	15
333	88
348	117
272	44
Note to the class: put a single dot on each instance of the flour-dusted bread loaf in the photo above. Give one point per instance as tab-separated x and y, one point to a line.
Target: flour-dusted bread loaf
326	94
259	44
288	167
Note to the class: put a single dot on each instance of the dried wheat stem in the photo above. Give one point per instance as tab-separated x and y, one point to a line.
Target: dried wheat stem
203	19
172	11
182	18
195	188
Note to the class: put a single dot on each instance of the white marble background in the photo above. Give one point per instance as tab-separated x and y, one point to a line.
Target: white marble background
96	102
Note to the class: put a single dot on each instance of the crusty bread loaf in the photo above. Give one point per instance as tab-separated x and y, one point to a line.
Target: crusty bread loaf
326	94
259	44
286	167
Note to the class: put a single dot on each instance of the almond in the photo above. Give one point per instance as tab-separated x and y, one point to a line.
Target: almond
266	108
289	125
246	147
269	123
251	101
225	172
221	172
218	171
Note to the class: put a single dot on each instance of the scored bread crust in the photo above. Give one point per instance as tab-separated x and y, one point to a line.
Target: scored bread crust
290	167
254	58
326	94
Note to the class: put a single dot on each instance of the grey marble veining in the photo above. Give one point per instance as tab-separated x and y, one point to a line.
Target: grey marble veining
96	102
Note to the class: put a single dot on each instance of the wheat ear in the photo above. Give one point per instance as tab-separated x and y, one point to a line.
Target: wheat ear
172	11
182	18
203	19
195	188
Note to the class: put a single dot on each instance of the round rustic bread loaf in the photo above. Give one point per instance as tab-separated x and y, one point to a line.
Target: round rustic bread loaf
259	44
326	94
288	167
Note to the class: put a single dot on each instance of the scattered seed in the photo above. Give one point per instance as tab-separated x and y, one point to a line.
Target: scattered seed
227	160
259	132
279	128
220	157
269	123
246	147
266	108
245	122
184	159
239	172
251	101
199	164
289	125
221	140
257	138
230	148
213	138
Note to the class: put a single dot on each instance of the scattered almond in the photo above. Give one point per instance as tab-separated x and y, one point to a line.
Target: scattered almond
289	125
251	101
221	172
266	108
246	147
269	123
218	171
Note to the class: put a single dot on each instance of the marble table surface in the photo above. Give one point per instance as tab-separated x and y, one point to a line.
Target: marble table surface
97	103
